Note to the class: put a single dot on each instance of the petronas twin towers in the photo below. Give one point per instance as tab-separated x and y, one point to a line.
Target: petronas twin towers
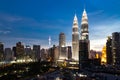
76	32
80	40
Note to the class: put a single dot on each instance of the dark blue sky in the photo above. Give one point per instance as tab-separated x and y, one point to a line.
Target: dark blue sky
33	21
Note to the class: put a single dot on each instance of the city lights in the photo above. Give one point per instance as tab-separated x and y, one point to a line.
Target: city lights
59	40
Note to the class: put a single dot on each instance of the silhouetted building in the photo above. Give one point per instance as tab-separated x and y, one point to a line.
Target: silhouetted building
36	52
69	52
94	62
116	48
95	54
20	53
109	50
75	39
28	50
1	51
14	51
84	43
8	54
54	54
83	53
44	54
62	46
92	54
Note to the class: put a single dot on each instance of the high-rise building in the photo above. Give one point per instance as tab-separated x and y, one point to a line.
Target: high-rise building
75	39
109	50
54	54
56	50
62	42
62	46
83	53
14	52
69	53
1	51
51	54
20	53
36	52
44	54
28	50
8	54
116	48
84	43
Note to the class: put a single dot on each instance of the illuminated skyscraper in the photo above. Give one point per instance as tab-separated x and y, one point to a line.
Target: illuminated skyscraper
84	45
56	50
62	46
62	40
75	39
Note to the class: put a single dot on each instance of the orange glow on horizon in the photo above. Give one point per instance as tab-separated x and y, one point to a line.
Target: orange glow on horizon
97	55
103	58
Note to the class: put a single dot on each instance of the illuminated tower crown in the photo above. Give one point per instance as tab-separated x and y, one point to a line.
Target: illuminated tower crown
84	26
84	18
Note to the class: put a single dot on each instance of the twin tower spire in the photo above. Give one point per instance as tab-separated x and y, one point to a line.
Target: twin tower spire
75	34
84	18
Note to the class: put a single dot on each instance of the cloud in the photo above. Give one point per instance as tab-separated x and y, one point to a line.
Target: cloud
11	41
98	30
9	18
95	13
4	32
97	44
105	29
38	29
99	33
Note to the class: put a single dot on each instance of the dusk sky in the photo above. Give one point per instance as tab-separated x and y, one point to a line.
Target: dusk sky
33	21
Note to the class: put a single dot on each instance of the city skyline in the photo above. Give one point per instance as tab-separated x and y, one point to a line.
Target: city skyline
32	22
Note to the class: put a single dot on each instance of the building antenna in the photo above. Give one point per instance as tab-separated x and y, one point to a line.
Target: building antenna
75	11
84	4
